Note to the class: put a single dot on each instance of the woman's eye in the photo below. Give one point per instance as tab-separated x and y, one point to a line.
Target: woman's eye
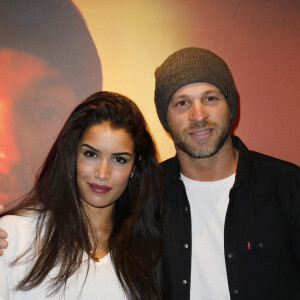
89	153
121	160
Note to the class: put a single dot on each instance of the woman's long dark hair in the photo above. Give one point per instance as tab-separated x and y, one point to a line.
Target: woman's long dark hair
62	227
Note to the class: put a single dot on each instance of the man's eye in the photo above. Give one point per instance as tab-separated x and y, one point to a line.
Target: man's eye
121	160
89	153
181	103
211	98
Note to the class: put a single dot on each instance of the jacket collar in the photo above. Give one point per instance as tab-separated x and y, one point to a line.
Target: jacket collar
244	161
171	166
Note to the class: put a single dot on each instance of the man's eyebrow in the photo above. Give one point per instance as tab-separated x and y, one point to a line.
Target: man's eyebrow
212	91
180	97
185	96
90	147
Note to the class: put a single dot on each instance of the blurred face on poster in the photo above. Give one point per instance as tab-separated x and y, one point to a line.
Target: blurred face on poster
35	100
44	72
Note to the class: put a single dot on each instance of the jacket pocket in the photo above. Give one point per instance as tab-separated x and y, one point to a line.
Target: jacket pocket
267	241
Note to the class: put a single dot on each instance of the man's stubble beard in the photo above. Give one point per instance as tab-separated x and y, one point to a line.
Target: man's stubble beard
201	150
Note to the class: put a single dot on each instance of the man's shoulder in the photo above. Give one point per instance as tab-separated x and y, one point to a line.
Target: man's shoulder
262	162
273	162
170	166
269	169
168	162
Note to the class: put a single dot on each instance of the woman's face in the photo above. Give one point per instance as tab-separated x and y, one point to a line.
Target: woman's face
105	158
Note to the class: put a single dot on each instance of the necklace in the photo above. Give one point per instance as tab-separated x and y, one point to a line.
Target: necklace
94	257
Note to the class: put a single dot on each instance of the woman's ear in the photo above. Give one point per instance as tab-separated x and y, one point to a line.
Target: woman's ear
132	171
133	167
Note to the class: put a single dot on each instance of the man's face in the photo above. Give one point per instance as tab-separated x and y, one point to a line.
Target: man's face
34	103
199	119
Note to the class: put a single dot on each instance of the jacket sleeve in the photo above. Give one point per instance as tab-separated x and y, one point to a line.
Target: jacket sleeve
295	230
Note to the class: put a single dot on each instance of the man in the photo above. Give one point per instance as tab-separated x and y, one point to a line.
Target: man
231	218
3	235
48	64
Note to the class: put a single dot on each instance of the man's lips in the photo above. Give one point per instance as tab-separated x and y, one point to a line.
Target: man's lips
200	134
99	189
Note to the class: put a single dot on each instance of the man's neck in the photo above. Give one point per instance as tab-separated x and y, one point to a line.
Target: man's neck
216	167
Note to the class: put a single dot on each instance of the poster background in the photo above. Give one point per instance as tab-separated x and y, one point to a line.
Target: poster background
259	40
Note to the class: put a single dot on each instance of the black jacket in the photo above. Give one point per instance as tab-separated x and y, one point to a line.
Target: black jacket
261	234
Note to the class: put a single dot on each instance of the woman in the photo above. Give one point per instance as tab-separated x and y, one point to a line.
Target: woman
89	228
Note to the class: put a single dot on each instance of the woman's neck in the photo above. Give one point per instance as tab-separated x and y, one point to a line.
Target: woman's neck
100	226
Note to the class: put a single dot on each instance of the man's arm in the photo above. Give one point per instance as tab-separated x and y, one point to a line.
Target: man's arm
3	234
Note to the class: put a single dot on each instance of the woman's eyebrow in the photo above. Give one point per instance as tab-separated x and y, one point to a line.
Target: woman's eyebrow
122	153
90	147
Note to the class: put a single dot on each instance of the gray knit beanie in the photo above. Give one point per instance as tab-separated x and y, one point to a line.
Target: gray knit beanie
190	65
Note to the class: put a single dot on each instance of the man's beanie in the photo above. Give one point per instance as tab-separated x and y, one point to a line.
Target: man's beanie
190	65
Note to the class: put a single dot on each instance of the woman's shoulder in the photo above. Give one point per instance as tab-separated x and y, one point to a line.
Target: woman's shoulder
17	221
21	235
18	227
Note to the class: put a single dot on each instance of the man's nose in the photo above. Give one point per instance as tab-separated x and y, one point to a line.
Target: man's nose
9	152
198	111
103	170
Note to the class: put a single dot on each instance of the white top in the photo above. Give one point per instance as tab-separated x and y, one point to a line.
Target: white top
101	282
208	202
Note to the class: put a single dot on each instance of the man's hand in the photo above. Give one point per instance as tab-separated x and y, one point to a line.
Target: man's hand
3	234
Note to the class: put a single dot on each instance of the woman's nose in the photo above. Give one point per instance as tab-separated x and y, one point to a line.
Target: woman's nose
103	171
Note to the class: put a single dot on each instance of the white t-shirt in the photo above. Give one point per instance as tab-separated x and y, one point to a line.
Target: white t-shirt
101	282
208	202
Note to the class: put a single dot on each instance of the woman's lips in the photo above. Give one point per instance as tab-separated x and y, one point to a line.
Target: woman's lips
99	189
